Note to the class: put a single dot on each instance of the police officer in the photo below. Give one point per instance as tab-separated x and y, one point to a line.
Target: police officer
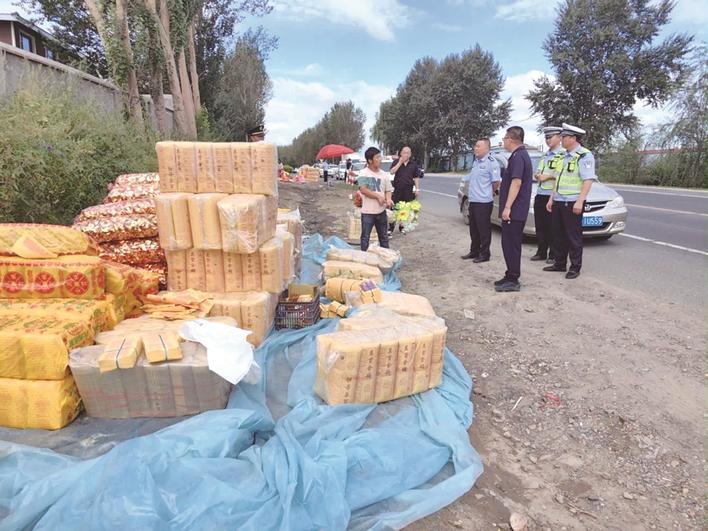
568	201
484	179
256	134
546	173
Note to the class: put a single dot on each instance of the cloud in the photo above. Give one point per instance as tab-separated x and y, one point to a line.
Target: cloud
449	28
515	88
311	70
297	105
526	10
377	17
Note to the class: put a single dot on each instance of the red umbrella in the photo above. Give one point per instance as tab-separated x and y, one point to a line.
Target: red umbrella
333	150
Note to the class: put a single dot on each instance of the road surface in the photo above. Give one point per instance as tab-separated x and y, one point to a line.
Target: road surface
663	252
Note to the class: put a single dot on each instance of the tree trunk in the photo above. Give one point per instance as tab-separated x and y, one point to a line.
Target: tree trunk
158	101
426	156
162	21
134	106
189	109
193	74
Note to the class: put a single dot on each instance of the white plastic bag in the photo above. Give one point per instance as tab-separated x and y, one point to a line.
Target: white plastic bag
228	353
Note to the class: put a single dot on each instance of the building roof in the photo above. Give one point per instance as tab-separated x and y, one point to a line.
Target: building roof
15	17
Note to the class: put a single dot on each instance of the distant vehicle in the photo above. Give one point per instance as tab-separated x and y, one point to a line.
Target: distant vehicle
605	213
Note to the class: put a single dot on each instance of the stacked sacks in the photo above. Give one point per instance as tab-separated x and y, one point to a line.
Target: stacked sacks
125	225
54	297
217	215
378	355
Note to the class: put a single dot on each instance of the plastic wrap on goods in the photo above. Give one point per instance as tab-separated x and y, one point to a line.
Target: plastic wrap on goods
384	262
203	167
134	252
131	192
56	238
130	285
37	348
254	311
146	325
402	303
136	207
38	404
170	389
335	268
173	221
378	364
204	221
65	277
247	221
119	228
132	179
100	313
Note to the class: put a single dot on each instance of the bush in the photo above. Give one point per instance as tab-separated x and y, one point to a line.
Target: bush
288	168
57	153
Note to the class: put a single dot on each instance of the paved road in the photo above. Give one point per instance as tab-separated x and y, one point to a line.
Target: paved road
664	251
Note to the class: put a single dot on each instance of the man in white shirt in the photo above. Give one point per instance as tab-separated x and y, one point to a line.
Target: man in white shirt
376	189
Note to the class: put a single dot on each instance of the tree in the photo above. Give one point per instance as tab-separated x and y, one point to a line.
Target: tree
687	131
244	87
467	87
342	124
605	59
442	106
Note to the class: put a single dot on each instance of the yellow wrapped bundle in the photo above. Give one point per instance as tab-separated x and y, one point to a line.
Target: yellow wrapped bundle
66	277
241	158
254	311
246	222
167	164
130	283
186	163
223	167
272	261
173	221
57	239
337	287
264	168
335	268
143	326
38	404
206	173
121	353
162	347
37	348
101	314
176	270
204	221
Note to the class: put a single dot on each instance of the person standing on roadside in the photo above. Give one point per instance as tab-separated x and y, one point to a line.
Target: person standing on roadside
375	187
406	177
325	171
548	169
514	202
568	202
483	179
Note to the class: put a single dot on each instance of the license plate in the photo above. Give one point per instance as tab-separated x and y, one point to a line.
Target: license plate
592	221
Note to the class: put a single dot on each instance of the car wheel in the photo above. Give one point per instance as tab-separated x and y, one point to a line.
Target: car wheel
465	211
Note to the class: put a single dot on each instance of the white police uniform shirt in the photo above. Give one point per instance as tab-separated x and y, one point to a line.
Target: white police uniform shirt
484	172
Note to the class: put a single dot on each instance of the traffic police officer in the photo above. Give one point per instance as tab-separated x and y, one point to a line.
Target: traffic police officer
484	179
568	201
548	169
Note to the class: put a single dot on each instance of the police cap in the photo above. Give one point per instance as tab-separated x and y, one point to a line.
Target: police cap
572	130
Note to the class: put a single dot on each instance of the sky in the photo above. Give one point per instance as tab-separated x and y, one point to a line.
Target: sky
361	50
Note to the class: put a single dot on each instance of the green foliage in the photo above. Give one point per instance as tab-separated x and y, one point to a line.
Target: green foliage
625	164
205	130
58	151
287	168
244	89
443	106
343	124
605	60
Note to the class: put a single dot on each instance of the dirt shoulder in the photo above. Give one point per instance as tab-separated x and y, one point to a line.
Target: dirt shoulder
589	399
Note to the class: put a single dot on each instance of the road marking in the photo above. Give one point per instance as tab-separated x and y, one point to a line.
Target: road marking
635	191
665	244
439	193
668	210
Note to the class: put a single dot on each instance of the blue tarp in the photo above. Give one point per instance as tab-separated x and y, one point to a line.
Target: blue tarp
276	458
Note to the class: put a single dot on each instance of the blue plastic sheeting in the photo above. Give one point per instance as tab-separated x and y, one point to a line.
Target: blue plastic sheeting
314	254
274	459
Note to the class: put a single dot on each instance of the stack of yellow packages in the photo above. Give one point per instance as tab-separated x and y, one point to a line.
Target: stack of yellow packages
125	225
54	296
309	174
291	221
217	221
379	355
